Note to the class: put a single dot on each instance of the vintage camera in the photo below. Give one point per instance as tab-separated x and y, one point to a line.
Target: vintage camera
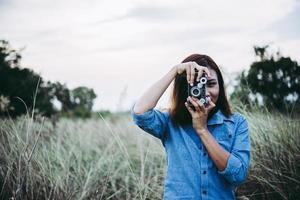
198	88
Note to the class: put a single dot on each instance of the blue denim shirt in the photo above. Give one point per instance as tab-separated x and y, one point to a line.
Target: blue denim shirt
191	173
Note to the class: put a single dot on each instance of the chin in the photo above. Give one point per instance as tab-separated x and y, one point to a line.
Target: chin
214	101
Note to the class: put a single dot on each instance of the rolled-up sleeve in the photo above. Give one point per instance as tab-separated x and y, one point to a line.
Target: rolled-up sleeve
153	121
238	163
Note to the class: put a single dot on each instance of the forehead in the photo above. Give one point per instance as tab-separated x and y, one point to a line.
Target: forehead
213	74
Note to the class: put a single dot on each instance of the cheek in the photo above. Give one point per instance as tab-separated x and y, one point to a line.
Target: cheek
214	92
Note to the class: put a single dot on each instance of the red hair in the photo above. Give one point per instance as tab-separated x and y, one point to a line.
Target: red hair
178	112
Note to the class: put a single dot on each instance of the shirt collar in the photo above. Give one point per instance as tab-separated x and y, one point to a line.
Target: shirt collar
218	118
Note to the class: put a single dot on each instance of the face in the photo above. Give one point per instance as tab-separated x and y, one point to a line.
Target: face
212	86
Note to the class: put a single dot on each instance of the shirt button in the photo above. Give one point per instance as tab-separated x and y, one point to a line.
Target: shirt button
229	136
204	172
204	154
200	147
204	192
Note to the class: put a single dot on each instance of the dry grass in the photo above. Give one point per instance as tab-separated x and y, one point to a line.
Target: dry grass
113	159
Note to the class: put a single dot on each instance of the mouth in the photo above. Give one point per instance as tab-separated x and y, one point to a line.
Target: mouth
210	99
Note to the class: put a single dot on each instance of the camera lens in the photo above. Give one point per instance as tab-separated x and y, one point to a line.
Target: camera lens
195	91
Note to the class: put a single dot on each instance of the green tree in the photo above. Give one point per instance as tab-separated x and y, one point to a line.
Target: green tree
22	90
63	95
276	80
83	98
19	85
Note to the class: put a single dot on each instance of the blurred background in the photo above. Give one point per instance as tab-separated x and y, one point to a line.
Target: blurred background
70	71
119	48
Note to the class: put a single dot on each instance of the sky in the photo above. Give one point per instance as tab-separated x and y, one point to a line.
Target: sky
120	47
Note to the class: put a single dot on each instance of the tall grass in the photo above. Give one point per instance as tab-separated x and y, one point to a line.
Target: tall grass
79	159
113	159
275	167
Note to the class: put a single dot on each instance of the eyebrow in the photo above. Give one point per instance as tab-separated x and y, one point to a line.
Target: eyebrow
211	80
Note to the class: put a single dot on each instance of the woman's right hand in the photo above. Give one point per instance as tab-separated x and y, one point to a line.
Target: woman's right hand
189	68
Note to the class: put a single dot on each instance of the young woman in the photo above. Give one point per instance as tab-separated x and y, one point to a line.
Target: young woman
207	146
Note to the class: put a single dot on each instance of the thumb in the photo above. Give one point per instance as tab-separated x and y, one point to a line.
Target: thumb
210	105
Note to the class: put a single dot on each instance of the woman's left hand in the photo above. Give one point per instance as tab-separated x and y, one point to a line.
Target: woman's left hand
200	113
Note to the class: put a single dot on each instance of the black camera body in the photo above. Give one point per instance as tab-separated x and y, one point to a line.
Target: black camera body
198	90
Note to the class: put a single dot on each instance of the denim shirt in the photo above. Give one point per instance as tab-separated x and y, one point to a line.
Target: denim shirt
191	173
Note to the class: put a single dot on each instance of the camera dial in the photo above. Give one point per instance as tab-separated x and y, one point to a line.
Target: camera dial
202	100
199	85
203	80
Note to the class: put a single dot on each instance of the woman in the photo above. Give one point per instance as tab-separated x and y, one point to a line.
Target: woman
207	146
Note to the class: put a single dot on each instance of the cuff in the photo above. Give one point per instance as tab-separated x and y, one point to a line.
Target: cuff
141	117
233	164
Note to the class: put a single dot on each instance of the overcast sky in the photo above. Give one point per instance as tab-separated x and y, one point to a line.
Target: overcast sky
120	47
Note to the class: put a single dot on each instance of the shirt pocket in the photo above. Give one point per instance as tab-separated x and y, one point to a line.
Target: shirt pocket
225	138
224	135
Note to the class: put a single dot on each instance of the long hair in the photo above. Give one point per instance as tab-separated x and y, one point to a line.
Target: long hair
178	112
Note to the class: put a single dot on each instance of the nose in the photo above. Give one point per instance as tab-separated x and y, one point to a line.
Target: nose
207	93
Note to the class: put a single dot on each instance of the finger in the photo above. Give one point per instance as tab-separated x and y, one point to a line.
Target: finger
212	104
194	103
189	108
200	72
192	73
207	71
210	101
202	69
188	73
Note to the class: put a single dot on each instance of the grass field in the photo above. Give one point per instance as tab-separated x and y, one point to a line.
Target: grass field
111	158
